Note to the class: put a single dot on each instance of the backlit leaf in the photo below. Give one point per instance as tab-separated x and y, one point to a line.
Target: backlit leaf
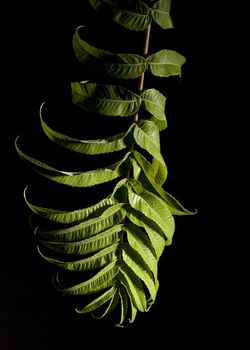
110	307
88	245
137	264
161	13
124	304
151	206
110	217
103	257
96	303
154	102
105	278
146	139
117	242
139	241
155	234
133	286
69	217
175	207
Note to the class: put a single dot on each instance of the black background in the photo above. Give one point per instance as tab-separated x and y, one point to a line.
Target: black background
202	283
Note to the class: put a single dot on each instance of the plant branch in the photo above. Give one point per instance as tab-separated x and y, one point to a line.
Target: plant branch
141	82
141	78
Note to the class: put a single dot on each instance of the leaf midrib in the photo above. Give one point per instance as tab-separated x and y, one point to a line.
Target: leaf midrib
111	99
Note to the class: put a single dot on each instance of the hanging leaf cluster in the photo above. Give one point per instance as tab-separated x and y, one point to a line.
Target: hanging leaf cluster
121	237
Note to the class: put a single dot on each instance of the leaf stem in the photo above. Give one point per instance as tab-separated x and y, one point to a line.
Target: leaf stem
141	82
141	78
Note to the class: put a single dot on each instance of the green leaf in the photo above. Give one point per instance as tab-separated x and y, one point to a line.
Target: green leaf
92	147
139	241
150	128
155	234
118	101
136	169
112	304
103	257
160	172
132	259
154	102
124	304
122	66
105	278
88	245
133	312
165	63
126	66
96	4
140	15
156	238
69	217
99	301
133	286
145	134
135	20
161	14
78	179
120	191
84	51
151	206
110	217
174	206
109	100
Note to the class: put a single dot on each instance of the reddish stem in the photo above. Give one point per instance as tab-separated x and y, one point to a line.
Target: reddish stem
141	78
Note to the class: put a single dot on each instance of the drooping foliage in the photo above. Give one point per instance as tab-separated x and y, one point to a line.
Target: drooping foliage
123	235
